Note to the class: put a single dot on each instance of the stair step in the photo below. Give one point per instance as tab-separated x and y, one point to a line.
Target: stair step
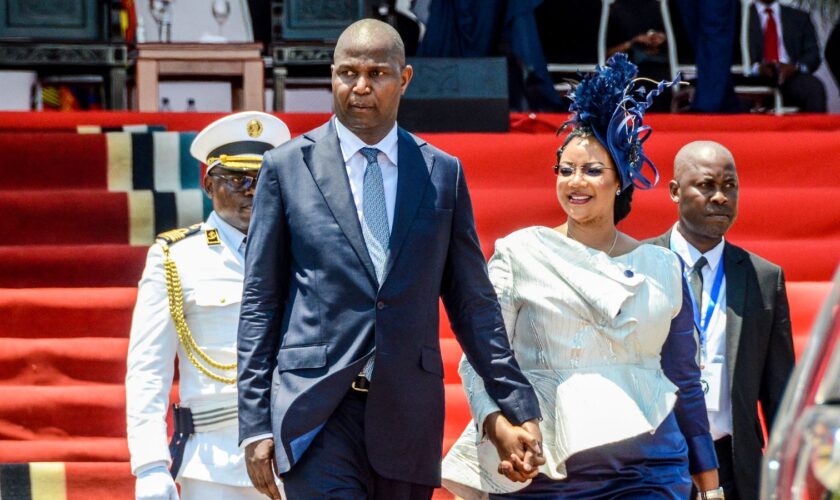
65	217
67	449
62	362
66	312
56	412
55	161
71	266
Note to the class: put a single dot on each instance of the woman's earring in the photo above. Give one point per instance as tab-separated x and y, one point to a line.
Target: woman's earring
618	191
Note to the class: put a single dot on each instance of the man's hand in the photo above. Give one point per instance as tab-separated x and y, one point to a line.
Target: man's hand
155	483
261	465
786	71
519	447
706	480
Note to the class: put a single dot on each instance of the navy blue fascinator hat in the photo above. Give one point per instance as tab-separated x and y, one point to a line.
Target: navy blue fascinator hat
610	105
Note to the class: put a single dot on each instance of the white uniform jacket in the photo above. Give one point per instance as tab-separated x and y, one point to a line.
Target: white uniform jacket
211	274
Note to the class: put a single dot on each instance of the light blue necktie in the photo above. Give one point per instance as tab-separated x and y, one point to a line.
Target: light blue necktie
375	226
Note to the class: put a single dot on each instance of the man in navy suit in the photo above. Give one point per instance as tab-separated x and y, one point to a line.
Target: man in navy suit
359	227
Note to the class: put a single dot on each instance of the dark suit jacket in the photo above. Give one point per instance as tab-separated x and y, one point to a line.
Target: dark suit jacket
312	311
798	36
759	353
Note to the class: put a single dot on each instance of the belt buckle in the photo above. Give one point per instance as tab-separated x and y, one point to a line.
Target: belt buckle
360	384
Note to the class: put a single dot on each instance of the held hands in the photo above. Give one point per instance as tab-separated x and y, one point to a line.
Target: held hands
262	467
519	447
155	483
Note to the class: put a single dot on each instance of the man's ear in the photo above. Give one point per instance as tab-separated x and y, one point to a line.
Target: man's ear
405	76
208	184
674	191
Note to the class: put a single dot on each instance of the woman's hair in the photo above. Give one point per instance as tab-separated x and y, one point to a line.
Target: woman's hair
622	207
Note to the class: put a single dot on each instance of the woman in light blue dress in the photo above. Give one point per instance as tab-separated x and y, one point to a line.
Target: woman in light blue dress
601	325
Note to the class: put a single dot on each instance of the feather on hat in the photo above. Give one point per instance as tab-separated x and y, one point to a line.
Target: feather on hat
609	104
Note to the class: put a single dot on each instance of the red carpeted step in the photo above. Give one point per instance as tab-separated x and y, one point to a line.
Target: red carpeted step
55	161
501	210
66	312
548	123
64	217
66	449
62	361
56	412
74	161
28	122
71	266
457	414
502	160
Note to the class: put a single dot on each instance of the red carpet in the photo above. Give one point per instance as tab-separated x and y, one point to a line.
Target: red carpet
77	225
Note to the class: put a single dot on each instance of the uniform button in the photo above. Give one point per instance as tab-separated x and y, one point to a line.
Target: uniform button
628	273
380	305
222	301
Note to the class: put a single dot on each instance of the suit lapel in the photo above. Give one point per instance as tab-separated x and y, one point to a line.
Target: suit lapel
415	166
736	289
756	36
325	162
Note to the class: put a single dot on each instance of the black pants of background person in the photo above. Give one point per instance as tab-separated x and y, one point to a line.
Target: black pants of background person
804	91
336	467
726	474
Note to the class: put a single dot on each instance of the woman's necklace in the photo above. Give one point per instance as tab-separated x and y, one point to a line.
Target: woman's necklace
609	252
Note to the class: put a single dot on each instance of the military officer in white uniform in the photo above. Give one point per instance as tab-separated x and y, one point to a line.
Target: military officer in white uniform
188	305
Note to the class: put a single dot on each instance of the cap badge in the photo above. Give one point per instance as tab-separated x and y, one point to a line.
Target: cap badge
254	128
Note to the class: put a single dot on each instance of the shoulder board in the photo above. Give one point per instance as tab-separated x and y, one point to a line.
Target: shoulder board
175	235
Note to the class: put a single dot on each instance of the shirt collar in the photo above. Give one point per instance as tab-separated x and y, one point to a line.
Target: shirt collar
761	6
351	144
690	254
231	236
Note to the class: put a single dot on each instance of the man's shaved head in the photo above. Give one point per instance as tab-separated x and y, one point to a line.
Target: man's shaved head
700	152
371	34
705	188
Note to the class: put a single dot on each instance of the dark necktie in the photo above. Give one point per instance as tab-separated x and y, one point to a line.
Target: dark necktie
695	281
771	38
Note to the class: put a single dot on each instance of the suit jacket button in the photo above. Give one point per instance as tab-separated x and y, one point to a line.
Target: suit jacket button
380	305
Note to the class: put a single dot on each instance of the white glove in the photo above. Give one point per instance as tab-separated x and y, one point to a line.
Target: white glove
155	483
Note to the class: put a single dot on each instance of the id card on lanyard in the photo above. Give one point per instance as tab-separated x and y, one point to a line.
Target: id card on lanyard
711	373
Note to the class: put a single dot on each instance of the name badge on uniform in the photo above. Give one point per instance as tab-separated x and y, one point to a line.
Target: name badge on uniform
710	380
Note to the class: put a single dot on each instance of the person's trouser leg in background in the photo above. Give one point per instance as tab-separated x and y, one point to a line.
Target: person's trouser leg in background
710	25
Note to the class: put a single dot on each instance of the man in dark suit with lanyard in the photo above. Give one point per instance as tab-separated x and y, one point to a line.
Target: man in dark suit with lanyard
741	312
359	227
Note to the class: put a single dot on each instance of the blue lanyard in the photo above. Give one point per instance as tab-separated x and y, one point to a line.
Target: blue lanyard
710	309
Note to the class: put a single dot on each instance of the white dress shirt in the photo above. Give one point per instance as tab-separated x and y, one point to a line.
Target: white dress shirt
355	163
714	348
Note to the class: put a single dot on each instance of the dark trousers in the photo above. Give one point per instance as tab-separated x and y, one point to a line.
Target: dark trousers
335	466
726	470
710	26
806	92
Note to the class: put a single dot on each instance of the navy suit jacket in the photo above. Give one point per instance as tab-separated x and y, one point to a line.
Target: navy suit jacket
312	311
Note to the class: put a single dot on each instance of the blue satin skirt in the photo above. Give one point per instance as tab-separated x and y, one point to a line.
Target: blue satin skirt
648	466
